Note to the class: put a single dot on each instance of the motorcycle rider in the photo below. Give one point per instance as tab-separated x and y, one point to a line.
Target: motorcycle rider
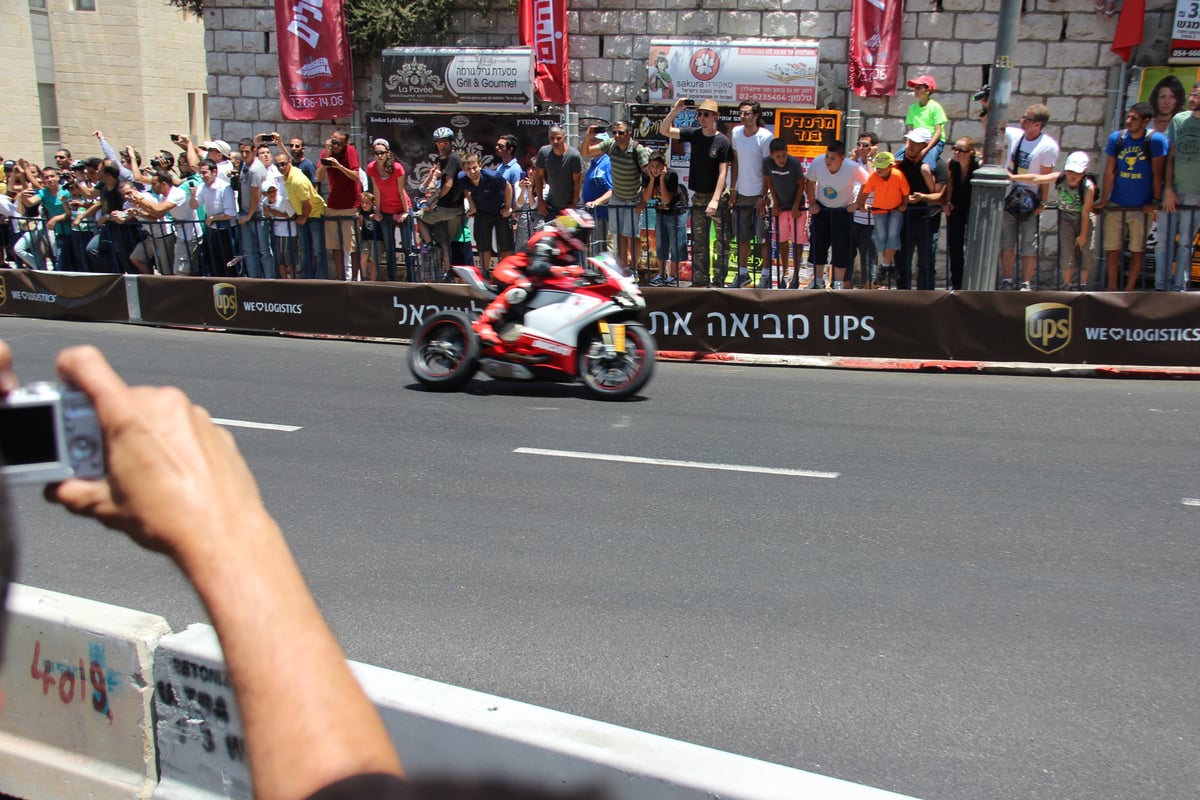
555	251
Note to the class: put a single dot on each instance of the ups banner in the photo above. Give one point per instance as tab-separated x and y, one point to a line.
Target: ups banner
1153	329
1150	329
386	310
35	293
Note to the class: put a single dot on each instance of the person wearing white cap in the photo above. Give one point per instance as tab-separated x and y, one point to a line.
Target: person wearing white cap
927	113
1076	199
219	151
923	219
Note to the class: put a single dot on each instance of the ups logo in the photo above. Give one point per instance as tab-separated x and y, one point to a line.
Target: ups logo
1048	327
3	291
225	300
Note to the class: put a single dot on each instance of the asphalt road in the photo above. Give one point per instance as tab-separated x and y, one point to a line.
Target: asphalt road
996	597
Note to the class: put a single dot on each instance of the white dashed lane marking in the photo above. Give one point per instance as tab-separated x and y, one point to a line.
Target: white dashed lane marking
664	462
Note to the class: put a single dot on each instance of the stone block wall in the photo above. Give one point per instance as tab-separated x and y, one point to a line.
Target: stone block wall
1063	56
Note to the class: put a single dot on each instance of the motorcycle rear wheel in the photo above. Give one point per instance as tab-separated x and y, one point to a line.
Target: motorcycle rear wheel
613	376
444	352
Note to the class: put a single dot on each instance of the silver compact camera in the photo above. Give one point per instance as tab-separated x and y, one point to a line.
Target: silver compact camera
49	433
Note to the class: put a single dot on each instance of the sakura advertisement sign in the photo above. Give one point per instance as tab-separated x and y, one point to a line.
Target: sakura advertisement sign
775	73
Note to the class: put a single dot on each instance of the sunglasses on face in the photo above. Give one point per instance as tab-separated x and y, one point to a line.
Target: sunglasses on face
705	114
962	150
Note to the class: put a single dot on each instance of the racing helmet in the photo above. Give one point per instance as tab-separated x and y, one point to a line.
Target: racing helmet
443	133
573	224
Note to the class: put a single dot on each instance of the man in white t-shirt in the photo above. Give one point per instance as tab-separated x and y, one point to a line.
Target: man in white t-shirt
832	183
1028	150
751	146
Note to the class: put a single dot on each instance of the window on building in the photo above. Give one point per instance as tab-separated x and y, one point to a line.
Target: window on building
48	104
85	5
37	5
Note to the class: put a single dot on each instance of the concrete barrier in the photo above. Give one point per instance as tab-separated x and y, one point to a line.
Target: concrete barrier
76	678
445	730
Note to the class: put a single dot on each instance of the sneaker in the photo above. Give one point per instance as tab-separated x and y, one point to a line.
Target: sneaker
1006	284
818	283
1025	287
838	285
741	280
671	281
658	280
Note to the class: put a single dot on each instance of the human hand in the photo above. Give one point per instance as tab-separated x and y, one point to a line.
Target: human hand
8	378
176	483
711	209
98	134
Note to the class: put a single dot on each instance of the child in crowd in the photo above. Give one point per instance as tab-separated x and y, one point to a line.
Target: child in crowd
784	176
1076	199
283	230
890	190
370	237
527	215
927	113
662	185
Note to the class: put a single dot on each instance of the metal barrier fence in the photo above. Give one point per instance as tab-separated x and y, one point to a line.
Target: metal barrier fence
1124	251
268	248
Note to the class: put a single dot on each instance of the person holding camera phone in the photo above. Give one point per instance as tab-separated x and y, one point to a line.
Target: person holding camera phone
339	163
711	157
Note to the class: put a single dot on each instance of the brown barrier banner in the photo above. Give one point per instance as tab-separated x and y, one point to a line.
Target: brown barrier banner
385	310
396	310
244	303
35	293
1153	329
1150	329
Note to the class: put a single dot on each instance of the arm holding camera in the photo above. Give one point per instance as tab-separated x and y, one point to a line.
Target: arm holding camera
167	461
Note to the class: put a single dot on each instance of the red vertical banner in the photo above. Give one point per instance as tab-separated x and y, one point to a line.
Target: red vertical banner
316	79
875	46
543	27
1130	28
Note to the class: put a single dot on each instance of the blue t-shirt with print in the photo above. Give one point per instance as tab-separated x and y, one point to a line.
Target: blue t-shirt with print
1133	183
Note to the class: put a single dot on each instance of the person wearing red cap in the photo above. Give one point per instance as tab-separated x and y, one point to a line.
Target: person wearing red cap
927	113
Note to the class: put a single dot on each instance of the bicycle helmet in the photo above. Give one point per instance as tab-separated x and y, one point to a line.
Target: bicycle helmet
443	133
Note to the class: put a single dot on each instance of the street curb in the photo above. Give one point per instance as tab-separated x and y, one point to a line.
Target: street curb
928	365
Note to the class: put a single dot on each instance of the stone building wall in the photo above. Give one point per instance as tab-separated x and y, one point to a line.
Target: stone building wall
1063	56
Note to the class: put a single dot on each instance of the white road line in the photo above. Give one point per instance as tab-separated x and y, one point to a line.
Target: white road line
665	462
263	426
1191	501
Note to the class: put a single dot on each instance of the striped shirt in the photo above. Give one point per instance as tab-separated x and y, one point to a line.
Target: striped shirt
627	167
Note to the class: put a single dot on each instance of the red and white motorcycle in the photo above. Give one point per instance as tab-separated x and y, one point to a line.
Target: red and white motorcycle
573	328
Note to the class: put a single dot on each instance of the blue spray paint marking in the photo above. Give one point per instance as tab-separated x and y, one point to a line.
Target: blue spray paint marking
96	656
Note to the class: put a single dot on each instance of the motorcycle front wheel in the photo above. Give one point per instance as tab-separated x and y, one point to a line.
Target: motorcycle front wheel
444	352
615	374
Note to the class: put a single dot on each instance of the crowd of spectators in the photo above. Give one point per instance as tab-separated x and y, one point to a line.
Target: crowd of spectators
869	217
261	209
